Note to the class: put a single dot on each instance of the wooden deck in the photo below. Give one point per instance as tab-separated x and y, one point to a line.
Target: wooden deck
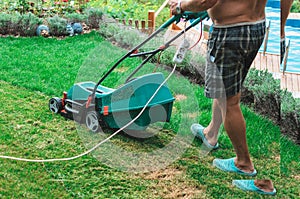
270	62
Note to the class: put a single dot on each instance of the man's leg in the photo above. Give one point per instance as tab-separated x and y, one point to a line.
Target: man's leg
235	127
212	130
285	6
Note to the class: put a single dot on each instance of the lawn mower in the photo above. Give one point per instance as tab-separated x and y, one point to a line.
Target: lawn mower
98	106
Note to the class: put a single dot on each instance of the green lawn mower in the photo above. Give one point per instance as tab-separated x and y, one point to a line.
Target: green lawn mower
98	106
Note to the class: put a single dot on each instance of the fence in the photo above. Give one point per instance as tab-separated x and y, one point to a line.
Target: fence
141	25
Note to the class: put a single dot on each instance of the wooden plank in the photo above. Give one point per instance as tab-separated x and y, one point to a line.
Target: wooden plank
269	64
276	64
298	82
283	82
273	58
151	21
257	61
130	22
295	78
289	82
260	58
295	82
143	26
263	62
136	22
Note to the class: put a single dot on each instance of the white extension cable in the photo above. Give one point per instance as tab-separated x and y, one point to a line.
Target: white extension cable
103	141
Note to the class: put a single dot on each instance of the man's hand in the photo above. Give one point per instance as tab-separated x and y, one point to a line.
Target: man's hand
191	5
173	4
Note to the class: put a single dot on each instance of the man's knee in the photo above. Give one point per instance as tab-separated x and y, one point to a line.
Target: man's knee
233	100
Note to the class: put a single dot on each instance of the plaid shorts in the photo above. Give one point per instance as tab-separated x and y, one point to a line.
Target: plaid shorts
230	52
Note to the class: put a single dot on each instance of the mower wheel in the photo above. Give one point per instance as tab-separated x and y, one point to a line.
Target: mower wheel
55	105
92	121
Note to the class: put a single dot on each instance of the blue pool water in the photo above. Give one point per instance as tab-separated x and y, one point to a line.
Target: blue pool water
273	17
293	34
292	31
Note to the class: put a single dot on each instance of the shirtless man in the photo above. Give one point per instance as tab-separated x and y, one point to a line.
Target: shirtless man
238	32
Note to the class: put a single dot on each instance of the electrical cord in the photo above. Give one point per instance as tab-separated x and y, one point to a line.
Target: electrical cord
100	143
199	37
109	137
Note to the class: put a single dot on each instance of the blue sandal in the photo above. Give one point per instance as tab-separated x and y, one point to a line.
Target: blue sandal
229	166
197	130
248	185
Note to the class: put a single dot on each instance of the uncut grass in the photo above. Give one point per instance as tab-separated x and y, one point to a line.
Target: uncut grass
42	70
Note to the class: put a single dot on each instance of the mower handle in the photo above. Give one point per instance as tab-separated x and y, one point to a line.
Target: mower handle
175	18
187	15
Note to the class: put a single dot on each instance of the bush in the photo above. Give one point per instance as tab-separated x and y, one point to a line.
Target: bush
109	30
295	7
125	36
290	113
7	23
18	24
57	26
269	100
93	17
76	18
27	24
266	91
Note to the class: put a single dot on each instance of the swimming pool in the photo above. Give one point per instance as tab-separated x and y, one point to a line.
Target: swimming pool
292	31
273	17
293	34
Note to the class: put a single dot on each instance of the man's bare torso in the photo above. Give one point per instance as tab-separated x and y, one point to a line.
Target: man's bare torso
226	12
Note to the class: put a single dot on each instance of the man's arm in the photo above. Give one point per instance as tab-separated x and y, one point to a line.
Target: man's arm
285	6
191	5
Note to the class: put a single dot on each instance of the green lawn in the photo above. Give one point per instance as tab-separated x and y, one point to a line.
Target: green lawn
35	69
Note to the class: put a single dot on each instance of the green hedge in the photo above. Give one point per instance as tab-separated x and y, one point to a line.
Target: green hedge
273	102
17	24
26	24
